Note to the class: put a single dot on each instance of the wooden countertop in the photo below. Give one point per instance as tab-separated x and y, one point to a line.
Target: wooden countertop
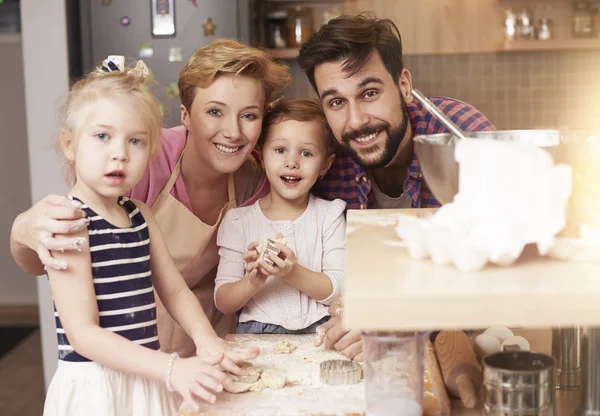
306	396
386	289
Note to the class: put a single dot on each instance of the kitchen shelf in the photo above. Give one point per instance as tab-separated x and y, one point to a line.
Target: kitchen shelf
284	53
7	38
385	289
550	45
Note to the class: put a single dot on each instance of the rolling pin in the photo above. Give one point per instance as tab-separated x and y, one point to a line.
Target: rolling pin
435	395
462	373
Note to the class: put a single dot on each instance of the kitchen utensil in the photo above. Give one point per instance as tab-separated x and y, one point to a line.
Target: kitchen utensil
590	364
393	372
440	170
340	372
518	384
566	349
435	395
438	114
462	373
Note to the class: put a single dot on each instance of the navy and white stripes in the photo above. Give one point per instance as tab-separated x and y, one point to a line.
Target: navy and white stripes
122	281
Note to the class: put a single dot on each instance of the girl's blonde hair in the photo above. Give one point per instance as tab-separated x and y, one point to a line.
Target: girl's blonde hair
228	56
130	84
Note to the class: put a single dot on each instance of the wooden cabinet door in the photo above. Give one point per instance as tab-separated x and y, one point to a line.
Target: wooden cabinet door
441	26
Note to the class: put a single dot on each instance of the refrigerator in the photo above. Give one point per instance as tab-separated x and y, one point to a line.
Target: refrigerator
163	33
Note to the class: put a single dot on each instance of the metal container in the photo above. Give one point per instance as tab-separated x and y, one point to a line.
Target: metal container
590	352
566	348
518	384
436	155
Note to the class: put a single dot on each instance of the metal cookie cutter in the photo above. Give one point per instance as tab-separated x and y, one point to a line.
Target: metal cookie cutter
270	248
340	372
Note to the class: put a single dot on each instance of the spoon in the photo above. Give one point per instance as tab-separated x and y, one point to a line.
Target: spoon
438	114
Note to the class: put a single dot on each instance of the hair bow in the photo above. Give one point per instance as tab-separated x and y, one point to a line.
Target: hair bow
117	63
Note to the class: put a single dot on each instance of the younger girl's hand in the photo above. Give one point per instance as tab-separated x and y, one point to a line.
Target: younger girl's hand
231	353
283	264
199	377
255	276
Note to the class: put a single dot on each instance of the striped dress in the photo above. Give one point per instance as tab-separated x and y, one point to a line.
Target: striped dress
122	281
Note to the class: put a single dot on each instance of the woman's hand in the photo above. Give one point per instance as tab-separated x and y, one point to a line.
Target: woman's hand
35	228
196	376
256	277
232	353
283	264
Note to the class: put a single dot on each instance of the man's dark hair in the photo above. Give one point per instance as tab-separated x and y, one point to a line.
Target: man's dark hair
353	39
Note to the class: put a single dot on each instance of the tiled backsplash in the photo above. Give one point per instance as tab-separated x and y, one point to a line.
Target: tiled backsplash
514	90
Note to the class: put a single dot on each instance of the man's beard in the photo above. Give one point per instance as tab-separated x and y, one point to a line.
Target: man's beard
394	138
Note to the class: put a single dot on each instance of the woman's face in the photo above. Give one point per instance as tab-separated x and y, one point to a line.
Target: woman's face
225	121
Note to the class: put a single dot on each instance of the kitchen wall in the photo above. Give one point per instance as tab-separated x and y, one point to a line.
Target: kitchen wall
546	89
16	287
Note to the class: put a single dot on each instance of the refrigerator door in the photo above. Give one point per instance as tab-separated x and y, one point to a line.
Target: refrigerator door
122	27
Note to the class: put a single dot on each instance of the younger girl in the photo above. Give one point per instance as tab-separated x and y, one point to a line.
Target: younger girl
109	358
289	296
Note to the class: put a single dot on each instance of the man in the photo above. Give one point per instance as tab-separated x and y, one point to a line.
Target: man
354	63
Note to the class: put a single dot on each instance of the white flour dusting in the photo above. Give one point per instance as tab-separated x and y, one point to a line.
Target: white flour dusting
303	395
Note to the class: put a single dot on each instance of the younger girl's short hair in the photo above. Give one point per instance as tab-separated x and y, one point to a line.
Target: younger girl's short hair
299	109
129	85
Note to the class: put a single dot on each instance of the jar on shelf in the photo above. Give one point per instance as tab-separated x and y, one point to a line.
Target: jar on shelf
583	21
277	31
299	25
544	29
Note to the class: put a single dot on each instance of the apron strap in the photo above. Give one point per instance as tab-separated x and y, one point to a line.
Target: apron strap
174	175
231	188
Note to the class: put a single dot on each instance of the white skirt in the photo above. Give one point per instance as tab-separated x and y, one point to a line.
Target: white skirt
93	390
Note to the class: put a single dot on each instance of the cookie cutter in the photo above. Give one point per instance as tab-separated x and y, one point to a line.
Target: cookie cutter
340	372
271	247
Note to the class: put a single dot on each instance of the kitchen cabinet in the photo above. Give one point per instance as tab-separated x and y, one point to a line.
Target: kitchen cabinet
434	27
442	26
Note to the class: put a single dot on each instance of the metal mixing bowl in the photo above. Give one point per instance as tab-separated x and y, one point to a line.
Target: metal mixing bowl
436	155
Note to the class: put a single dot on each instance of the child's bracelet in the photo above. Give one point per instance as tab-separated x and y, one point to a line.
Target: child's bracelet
172	359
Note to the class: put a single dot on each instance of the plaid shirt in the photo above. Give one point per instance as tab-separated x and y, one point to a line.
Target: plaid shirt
348	181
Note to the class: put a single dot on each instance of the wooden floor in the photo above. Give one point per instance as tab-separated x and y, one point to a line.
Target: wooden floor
22	379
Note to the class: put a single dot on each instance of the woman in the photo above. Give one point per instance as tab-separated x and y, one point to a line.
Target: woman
202	169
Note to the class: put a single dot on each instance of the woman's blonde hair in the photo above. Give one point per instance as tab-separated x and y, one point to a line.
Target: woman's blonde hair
228	56
130	84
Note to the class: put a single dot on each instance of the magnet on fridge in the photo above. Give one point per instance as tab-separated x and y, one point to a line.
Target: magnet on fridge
209	27
172	90
194	2
146	50
164	109
106	2
125	21
175	54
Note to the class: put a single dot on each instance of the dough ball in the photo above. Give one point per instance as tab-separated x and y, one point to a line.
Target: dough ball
241	384
284	347
236	386
253	375
273	379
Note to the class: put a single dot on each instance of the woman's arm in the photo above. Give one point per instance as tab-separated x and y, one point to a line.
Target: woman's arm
181	303
75	300
32	233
